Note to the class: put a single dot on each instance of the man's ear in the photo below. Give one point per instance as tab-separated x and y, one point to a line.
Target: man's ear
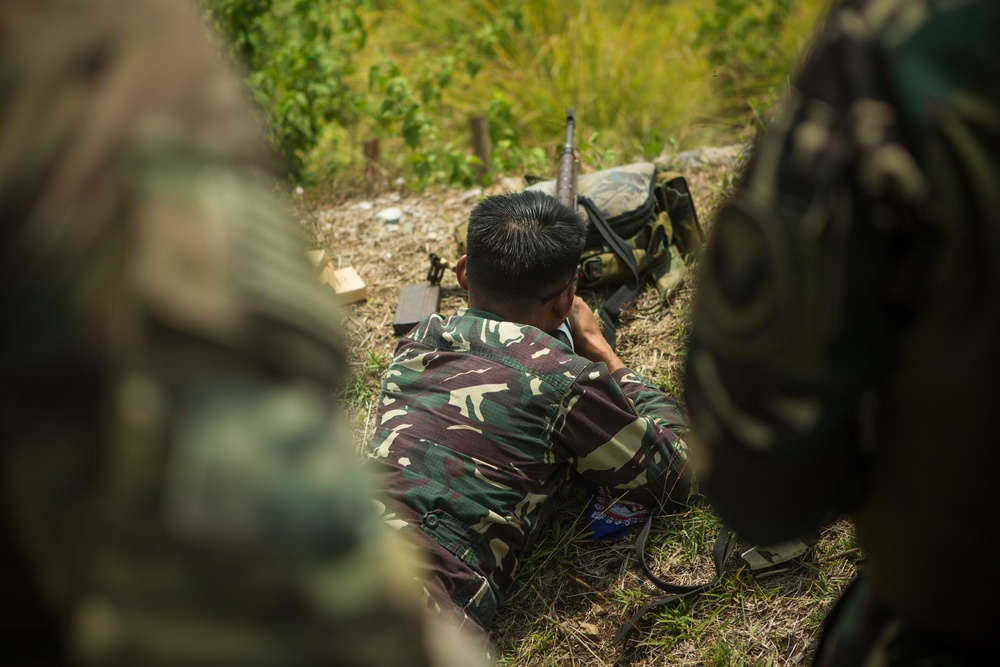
562	304
463	277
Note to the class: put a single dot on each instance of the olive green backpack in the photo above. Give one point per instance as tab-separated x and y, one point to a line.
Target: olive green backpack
642	227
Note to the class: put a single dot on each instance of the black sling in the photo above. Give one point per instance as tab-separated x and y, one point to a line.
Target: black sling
725	543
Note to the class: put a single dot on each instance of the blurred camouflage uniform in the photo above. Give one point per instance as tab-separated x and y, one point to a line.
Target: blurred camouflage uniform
480	421
844	350
176	489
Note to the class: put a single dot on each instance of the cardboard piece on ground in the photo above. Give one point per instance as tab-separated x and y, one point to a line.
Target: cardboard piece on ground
346	284
319	259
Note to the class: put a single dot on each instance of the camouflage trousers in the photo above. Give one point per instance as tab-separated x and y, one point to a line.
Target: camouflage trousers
862	630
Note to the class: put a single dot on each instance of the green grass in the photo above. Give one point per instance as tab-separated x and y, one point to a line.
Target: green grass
362	389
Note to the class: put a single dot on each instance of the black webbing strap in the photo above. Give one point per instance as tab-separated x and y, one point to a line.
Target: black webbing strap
626	294
724	545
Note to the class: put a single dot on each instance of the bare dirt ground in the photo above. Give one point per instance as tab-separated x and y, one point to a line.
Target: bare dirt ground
573	593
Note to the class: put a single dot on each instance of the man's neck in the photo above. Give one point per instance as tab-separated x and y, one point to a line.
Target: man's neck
508	313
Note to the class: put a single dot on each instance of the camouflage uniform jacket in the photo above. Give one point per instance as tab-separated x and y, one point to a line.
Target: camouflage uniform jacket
480	421
843	355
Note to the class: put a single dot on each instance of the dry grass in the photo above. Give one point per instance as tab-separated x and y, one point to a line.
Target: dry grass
573	593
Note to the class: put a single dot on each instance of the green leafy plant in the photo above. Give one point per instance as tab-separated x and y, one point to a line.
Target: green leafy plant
299	56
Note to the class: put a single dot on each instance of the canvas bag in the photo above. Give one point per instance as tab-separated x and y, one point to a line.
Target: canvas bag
633	199
642	225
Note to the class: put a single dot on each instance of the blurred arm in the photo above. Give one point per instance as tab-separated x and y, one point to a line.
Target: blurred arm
813	267
174	471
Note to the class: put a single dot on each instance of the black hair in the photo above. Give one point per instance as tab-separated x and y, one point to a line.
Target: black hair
522	243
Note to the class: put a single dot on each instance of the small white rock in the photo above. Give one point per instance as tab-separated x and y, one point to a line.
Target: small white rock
589	630
389	215
363	206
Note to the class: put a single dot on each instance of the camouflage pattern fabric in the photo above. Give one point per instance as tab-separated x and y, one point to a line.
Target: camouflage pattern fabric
480	421
843	354
176	485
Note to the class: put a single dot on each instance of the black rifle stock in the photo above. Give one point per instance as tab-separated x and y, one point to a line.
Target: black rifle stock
566	178
419	300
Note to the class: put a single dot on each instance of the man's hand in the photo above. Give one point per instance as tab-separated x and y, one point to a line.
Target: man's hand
588	340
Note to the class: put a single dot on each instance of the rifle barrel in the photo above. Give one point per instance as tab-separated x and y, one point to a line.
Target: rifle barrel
566	178
570	125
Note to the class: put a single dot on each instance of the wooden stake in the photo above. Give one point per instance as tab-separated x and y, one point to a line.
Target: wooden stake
373	159
481	145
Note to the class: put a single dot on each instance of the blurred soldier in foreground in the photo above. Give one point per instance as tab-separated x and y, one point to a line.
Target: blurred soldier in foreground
844	355
175	490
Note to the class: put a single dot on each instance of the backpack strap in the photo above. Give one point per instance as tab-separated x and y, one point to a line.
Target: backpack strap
674	195
724	545
626	294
